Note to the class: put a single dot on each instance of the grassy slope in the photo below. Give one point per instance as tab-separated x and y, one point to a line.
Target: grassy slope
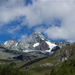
35	68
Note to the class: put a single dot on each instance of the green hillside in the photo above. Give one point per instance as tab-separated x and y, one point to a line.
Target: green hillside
45	66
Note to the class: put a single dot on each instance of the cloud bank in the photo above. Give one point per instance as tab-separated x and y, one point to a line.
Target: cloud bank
42	12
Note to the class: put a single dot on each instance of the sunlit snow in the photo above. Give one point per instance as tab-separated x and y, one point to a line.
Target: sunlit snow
36	44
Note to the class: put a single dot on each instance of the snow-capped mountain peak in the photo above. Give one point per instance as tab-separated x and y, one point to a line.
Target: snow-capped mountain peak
10	43
36	44
36	37
36	41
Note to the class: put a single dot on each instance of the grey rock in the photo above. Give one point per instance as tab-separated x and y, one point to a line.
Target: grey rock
42	46
62	44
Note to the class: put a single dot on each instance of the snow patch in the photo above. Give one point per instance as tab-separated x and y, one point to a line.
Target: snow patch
36	44
6	43
42	38
51	46
16	44
26	51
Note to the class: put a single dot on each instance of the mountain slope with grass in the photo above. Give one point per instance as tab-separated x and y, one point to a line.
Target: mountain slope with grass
54	63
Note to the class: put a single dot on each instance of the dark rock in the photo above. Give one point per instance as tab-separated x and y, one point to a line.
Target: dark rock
26	57
43	46
55	48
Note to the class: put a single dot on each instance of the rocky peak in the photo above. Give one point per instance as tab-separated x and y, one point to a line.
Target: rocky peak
36	37
9	44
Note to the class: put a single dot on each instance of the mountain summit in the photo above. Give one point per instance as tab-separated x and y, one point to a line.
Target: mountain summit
36	37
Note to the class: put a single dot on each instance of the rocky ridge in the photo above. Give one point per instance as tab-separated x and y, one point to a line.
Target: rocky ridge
36	41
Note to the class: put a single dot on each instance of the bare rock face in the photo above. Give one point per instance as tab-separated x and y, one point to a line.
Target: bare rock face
42	46
63	54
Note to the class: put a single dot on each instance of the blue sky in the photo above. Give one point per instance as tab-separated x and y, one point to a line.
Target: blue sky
55	19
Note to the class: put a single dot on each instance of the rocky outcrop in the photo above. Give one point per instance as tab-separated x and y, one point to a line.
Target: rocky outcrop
63	54
47	64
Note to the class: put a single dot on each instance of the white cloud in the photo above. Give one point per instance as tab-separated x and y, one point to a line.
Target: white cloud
13	29
42	11
23	38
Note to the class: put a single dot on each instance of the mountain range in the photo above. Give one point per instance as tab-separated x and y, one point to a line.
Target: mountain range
38	56
35	46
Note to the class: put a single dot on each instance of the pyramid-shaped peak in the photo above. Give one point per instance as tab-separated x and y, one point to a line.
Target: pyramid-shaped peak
34	32
36	36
